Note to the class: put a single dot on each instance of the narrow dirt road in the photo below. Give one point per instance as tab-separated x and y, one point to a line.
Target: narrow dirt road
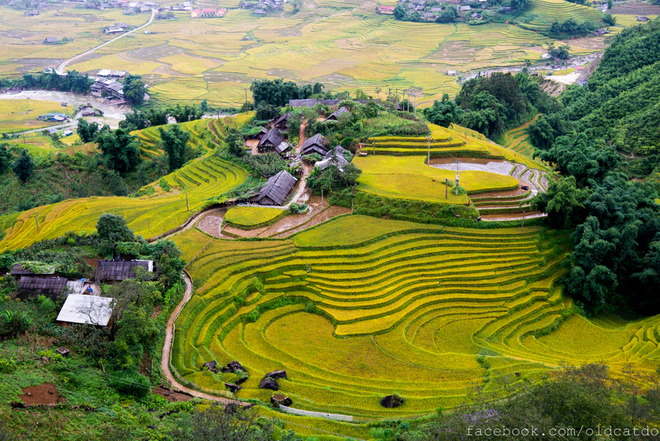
62	66
167	348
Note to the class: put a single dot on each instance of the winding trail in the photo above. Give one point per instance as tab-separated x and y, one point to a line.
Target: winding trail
167	349
62	66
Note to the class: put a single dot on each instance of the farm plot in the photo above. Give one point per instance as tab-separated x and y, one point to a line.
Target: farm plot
248	218
359	308
343	44
191	188
21	115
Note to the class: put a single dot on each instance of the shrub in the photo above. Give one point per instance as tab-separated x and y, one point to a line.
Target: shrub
130	383
13	323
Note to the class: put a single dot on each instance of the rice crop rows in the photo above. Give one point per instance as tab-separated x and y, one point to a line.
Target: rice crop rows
192	187
359	308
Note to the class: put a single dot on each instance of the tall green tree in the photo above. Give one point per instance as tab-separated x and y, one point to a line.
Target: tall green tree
23	166
4	157
134	89
174	142
114	228
563	202
120	150
234	141
444	113
86	131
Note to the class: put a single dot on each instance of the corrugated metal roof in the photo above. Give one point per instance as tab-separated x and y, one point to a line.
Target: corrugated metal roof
91	310
118	270
51	287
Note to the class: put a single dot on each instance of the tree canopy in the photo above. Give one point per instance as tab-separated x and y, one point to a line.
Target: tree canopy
174	142
120	150
23	166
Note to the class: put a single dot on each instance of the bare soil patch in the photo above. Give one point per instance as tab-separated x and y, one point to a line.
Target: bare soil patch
45	394
212	223
642	9
171	395
244	233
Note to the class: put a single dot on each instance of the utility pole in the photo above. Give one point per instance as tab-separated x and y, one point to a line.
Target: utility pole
321	199
36	219
446	188
457	164
428	161
389	102
187	205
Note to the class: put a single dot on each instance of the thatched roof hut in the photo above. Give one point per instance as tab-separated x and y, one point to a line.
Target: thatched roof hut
271	140
315	144
31	287
118	270
276	189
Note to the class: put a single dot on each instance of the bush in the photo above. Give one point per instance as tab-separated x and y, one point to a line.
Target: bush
14	323
130	383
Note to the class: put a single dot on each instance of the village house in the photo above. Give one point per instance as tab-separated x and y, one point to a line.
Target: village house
281	123
333	157
29	269
334	116
277	189
117	270
271	140
51	40
315	144
113	30
31	13
643	19
284	149
86	310
31	287
386	10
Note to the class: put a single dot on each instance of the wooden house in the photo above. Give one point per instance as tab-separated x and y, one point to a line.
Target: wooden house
281	123
315	144
338	113
277	189
271	140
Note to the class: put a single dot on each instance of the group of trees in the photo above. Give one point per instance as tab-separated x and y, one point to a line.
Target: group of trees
134	89
158	116
492	104
23	166
73	81
278	92
615	261
120	150
570	27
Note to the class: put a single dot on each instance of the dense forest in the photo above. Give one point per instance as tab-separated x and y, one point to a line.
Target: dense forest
615	261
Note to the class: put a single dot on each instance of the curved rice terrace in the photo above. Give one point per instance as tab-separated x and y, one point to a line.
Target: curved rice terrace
518	140
359	308
158	211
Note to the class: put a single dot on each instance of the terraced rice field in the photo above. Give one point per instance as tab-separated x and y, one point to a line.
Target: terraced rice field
547	11
456	141
359	308
200	182
518	140
252	217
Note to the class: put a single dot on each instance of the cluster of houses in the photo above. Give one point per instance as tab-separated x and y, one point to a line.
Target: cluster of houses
273	139
430	10
208	13
84	303
263	7
106	84
54	117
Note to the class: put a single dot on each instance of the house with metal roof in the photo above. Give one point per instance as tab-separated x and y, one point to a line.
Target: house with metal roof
31	287
86	310
277	189
118	270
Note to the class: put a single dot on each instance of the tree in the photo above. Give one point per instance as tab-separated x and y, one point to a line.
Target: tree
87	132
134	89
174	141
4	157
296	6
519	5
23	166
448	16
234	141
563	202
185	114
267	111
444	113
114	228
541	133
231	423
120	150
609	19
